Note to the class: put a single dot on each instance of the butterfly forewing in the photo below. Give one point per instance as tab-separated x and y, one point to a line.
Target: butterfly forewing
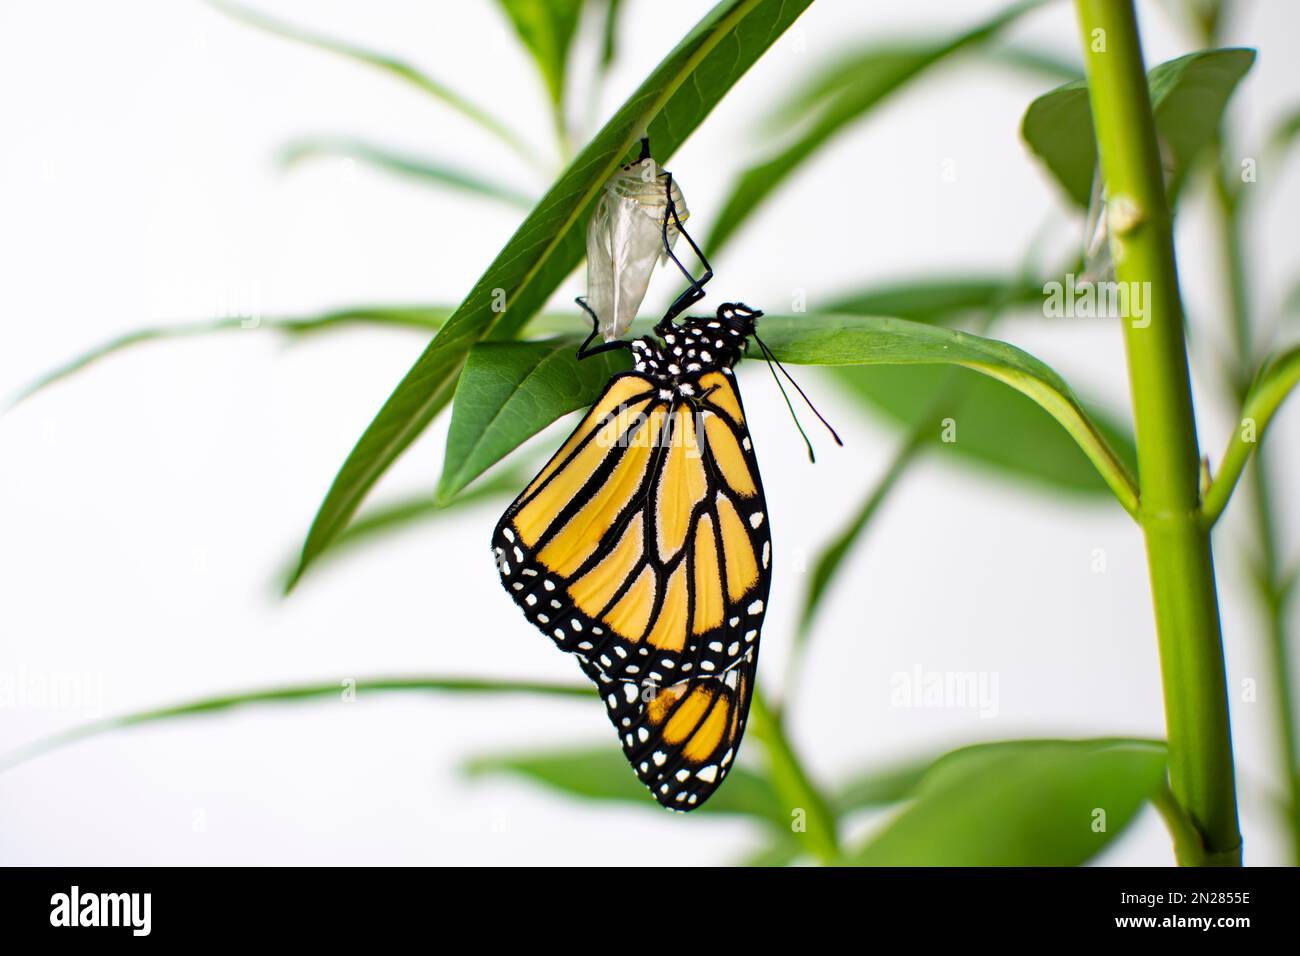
643	543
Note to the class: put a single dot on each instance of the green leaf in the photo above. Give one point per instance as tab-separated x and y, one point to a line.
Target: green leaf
1188	96
863	340
936	299
994	425
397	516
1021	803
673	100
901	60
421	169
510	391
425	318
294	694
876	70
781	851
1274	383
1039	62
881	787
602	773
837	97
380	61
609	34
546	28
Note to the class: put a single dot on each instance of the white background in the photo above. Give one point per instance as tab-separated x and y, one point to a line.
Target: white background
147	504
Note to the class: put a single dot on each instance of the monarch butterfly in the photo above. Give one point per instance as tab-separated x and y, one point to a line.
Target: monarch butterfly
642	546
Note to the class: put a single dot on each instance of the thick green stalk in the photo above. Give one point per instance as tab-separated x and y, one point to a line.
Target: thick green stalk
1179	558
810	814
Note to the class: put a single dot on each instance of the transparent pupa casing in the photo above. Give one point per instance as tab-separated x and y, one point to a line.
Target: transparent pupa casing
626	239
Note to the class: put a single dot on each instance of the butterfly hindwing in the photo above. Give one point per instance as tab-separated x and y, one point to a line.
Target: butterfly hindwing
681	739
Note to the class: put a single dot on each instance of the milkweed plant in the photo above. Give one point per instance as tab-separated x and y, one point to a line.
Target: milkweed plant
1125	140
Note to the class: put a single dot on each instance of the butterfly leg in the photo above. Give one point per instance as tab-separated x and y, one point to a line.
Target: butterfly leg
695	291
586	349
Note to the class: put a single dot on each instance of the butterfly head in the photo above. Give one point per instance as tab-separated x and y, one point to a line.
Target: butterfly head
738	316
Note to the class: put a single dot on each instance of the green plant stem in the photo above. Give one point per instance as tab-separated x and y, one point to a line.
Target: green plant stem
794	785
1226	206
1187	840
1276	596
1179	556
1274	592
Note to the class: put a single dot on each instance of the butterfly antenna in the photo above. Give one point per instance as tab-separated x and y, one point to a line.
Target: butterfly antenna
788	404
773	360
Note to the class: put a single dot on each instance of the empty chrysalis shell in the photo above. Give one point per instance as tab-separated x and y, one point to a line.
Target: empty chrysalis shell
625	239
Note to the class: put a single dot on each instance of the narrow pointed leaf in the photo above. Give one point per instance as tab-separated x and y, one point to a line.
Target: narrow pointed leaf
510	391
293	694
397	516
1039	61
546	29
672	101
422	169
425	318
609	34
935	299
394	67
836	98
